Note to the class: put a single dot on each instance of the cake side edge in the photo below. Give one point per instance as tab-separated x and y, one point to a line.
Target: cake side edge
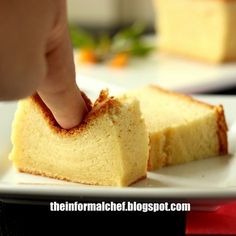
222	130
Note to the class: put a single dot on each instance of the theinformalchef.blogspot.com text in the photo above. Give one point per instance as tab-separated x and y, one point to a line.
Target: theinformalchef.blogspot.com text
119	206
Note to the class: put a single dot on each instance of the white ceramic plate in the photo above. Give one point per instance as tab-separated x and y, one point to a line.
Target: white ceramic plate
211	178
166	71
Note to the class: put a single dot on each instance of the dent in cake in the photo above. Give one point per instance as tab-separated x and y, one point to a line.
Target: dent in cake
104	104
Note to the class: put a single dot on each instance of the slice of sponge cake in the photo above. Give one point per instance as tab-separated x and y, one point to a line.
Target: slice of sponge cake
199	29
181	128
110	147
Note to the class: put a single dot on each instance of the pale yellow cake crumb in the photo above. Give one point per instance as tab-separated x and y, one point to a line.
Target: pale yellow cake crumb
181	128
110	147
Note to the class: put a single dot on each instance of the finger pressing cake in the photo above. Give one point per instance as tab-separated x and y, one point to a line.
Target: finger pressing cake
110	147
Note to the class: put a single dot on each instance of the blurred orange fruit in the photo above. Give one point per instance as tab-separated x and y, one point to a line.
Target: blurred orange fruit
119	60
87	56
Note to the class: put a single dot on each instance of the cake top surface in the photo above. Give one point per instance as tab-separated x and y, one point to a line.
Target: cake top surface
168	108
104	104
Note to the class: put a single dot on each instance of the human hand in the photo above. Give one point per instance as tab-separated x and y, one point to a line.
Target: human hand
36	55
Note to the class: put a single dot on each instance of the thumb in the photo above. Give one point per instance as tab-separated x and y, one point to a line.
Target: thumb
59	90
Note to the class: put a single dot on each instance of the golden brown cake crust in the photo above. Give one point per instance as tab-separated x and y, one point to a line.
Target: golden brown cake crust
102	105
227	0
221	122
222	130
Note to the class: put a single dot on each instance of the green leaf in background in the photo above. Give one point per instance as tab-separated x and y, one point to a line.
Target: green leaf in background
103	46
129	40
140	49
80	38
132	32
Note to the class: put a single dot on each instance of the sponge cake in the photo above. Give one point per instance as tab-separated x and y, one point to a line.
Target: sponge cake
181	128
110	147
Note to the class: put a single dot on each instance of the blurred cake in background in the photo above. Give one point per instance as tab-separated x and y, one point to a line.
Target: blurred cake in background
199	29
